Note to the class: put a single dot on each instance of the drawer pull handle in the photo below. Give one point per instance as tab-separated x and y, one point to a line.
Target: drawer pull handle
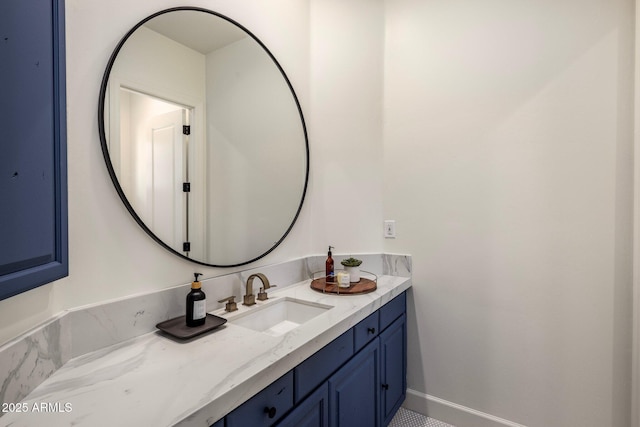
271	412
371	330
385	386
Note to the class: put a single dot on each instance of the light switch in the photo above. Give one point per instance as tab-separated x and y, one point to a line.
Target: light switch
390	229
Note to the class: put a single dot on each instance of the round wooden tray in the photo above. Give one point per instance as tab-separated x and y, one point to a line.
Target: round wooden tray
364	286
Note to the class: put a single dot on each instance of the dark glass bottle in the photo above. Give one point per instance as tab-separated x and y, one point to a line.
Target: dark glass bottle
328	265
196	304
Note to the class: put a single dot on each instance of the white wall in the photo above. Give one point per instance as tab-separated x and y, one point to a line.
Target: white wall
251	213
110	256
146	63
635	394
508	167
346	132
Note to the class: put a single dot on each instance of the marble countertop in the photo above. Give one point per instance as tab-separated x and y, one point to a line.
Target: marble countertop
154	380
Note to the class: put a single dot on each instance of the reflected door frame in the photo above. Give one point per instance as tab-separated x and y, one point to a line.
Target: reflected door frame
196	153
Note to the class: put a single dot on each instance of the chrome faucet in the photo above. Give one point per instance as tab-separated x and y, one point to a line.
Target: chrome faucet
249	298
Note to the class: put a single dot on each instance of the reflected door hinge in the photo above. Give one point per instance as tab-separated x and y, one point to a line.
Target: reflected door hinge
186	130
186	187
186	247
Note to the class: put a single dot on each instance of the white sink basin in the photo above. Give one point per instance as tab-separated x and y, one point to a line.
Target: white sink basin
280	315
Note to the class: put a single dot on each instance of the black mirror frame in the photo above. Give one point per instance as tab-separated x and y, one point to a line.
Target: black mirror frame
107	158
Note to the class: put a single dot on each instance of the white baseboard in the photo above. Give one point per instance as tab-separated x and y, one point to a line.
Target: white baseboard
452	413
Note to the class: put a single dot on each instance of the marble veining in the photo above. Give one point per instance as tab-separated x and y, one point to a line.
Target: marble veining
396	265
26	363
86	335
107	324
152	380
102	325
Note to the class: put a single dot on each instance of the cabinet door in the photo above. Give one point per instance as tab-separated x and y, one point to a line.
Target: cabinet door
312	412
354	390
33	188
393	375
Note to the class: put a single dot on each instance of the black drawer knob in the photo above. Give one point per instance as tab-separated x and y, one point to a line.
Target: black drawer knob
271	412
371	330
385	386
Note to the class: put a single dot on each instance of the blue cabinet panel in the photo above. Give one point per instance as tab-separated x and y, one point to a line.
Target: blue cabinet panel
365	331
219	423
33	198
392	310
336	388
312	412
393	368
316	369
354	391
266	407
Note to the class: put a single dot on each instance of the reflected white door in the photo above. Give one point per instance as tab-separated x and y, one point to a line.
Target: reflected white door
167	160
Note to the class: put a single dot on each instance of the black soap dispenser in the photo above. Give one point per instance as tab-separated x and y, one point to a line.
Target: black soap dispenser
196	304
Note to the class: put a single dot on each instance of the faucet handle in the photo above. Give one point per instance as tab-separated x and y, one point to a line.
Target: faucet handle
262	295
249	299
231	304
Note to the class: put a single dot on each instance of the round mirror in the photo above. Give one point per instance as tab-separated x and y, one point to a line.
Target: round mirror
203	137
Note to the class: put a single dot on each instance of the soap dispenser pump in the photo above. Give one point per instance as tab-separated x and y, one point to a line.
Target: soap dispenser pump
196	304
330	273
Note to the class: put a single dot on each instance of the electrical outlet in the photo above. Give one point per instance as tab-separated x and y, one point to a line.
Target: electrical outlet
390	229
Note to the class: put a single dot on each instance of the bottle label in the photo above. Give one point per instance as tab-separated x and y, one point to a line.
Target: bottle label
199	309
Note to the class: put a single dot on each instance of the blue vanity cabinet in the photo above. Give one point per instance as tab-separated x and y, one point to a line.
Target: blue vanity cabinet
358	379
392	310
317	368
366	330
266	407
354	391
369	389
219	423
393	368
33	186
312	412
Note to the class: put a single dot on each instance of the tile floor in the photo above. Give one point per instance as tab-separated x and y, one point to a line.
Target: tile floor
407	418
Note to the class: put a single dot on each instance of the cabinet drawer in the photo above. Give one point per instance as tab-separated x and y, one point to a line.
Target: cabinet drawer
365	331
392	310
313	371
266	407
